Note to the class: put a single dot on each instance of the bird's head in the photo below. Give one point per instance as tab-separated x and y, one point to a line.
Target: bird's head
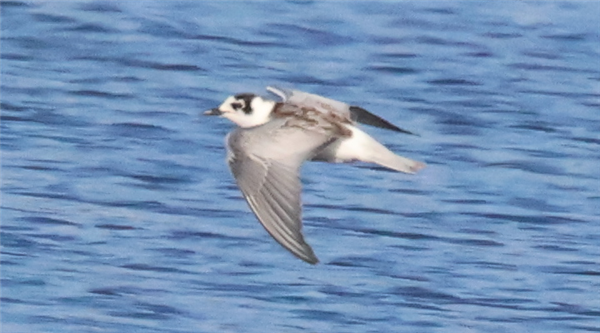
246	110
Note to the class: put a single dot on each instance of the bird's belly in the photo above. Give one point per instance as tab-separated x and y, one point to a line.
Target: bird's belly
339	151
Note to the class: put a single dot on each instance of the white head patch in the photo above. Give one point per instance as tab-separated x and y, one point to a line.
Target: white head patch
247	110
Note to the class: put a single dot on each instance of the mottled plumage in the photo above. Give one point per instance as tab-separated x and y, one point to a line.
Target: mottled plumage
266	152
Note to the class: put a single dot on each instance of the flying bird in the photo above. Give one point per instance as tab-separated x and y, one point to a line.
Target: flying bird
273	139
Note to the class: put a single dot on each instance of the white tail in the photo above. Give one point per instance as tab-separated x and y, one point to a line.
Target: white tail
363	147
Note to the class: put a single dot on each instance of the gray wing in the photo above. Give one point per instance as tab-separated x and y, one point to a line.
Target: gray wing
265	162
329	105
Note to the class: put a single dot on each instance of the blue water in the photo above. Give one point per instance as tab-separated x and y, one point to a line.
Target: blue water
120	215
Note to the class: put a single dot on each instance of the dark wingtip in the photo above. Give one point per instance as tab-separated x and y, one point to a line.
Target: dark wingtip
365	117
307	255
312	260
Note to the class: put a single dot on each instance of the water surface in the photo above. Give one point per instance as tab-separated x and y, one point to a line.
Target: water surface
120	215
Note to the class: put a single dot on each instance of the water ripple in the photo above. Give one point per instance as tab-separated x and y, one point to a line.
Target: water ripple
119	213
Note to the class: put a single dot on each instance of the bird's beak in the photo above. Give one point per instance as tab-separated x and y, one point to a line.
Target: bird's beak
213	112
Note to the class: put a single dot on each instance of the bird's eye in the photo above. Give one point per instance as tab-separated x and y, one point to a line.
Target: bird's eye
236	106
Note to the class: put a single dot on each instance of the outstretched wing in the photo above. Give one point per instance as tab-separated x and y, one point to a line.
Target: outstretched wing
265	162
325	104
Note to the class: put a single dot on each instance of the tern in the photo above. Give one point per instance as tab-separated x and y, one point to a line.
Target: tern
274	139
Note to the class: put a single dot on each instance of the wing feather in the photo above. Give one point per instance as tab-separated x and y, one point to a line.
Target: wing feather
265	161
325	104
277	206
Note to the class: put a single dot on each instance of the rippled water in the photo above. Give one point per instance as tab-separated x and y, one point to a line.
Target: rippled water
119	214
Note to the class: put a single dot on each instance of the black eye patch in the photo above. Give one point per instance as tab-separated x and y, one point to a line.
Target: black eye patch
236	106
247	98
